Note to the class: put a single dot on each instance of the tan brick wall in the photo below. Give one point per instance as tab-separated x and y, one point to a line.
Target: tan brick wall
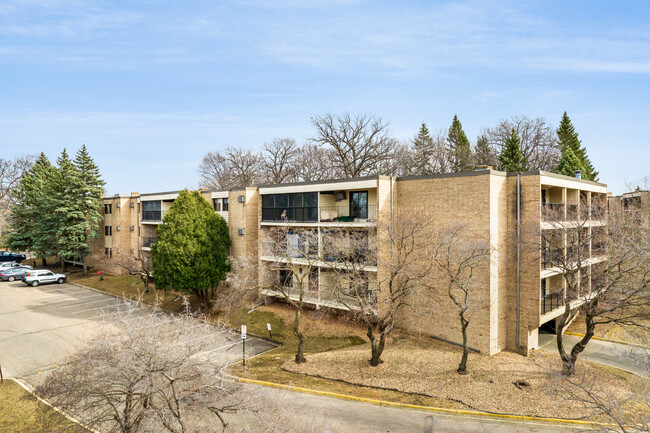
447	201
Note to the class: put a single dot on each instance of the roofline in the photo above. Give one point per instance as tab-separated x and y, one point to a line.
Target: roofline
480	172
561	176
319	182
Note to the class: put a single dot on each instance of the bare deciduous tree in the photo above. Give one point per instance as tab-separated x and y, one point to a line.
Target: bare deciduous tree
146	371
279	160
538	140
315	163
234	168
294	255
604	269
10	173
458	259
361	143
405	268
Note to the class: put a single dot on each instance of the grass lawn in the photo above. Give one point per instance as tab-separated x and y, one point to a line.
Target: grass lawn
21	412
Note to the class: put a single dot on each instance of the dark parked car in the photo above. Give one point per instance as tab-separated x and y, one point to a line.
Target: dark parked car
13	274
8	256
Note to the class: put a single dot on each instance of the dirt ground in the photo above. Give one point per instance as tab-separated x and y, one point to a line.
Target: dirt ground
428	367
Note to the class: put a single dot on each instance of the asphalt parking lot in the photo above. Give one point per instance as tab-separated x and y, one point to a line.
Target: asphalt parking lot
40	326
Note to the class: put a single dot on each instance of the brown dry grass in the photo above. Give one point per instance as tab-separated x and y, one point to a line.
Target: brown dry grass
428	367
613	331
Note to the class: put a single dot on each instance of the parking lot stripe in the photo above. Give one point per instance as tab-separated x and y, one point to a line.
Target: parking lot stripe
73	299
84	303
98	308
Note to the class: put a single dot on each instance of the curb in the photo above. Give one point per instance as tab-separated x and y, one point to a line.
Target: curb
425	408
76	421
625	343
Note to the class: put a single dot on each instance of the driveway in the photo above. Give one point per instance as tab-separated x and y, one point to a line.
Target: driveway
629	358
40	326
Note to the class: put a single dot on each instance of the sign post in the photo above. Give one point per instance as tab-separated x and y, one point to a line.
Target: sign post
268	326
243	345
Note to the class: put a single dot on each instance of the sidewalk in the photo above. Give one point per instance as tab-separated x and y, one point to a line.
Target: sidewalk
630	358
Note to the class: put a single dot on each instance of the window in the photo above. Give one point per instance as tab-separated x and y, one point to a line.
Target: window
152	210
106	251
544	292
292	207
108	209
216	202
224	204
286	278
359	204
108	231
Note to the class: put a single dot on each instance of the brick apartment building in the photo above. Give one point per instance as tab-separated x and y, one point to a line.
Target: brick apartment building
519	283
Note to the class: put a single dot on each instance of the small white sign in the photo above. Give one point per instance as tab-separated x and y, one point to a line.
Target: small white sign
268	326
243	331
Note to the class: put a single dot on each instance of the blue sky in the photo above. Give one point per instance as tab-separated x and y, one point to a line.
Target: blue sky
150	86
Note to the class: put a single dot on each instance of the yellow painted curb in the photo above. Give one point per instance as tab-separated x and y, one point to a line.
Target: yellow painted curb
76	421
414	406
626	343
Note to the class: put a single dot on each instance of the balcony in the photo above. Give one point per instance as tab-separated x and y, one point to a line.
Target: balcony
599	249
553	211
572	212
598	212
327	296
552	257
348	214
551	301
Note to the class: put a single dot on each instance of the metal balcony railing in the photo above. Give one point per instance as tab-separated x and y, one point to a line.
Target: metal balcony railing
348	214
598	212
553	211
572	212
552	257
551	301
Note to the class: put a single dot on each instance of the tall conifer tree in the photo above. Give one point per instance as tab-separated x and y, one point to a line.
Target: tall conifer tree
30	223
511	159
423	151
568	138
569	163
91	190
460	152
484	153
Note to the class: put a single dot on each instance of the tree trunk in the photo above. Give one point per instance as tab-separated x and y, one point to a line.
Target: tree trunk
376	346
62	265
44	261
83	259
569	359
462	367
300	355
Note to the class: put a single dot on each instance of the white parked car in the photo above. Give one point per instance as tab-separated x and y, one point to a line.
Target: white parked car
34	278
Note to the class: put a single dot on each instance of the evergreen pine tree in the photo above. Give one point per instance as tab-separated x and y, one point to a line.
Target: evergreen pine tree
29	224
511	159
91	191
423	151
568	137
460	152
67	203
569	163
484	153
190	254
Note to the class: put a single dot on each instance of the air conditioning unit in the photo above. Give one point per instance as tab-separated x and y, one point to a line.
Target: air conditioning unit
117	228
240	231
240	199
117	205
131	228
131	205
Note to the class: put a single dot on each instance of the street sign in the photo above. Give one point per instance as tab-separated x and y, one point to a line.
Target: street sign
268	326
243	331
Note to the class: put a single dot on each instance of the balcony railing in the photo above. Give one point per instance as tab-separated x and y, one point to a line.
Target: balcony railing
572	212
552	301
584	212
552	257
147	242
345	214
290	214
598	212
553	211
599	249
